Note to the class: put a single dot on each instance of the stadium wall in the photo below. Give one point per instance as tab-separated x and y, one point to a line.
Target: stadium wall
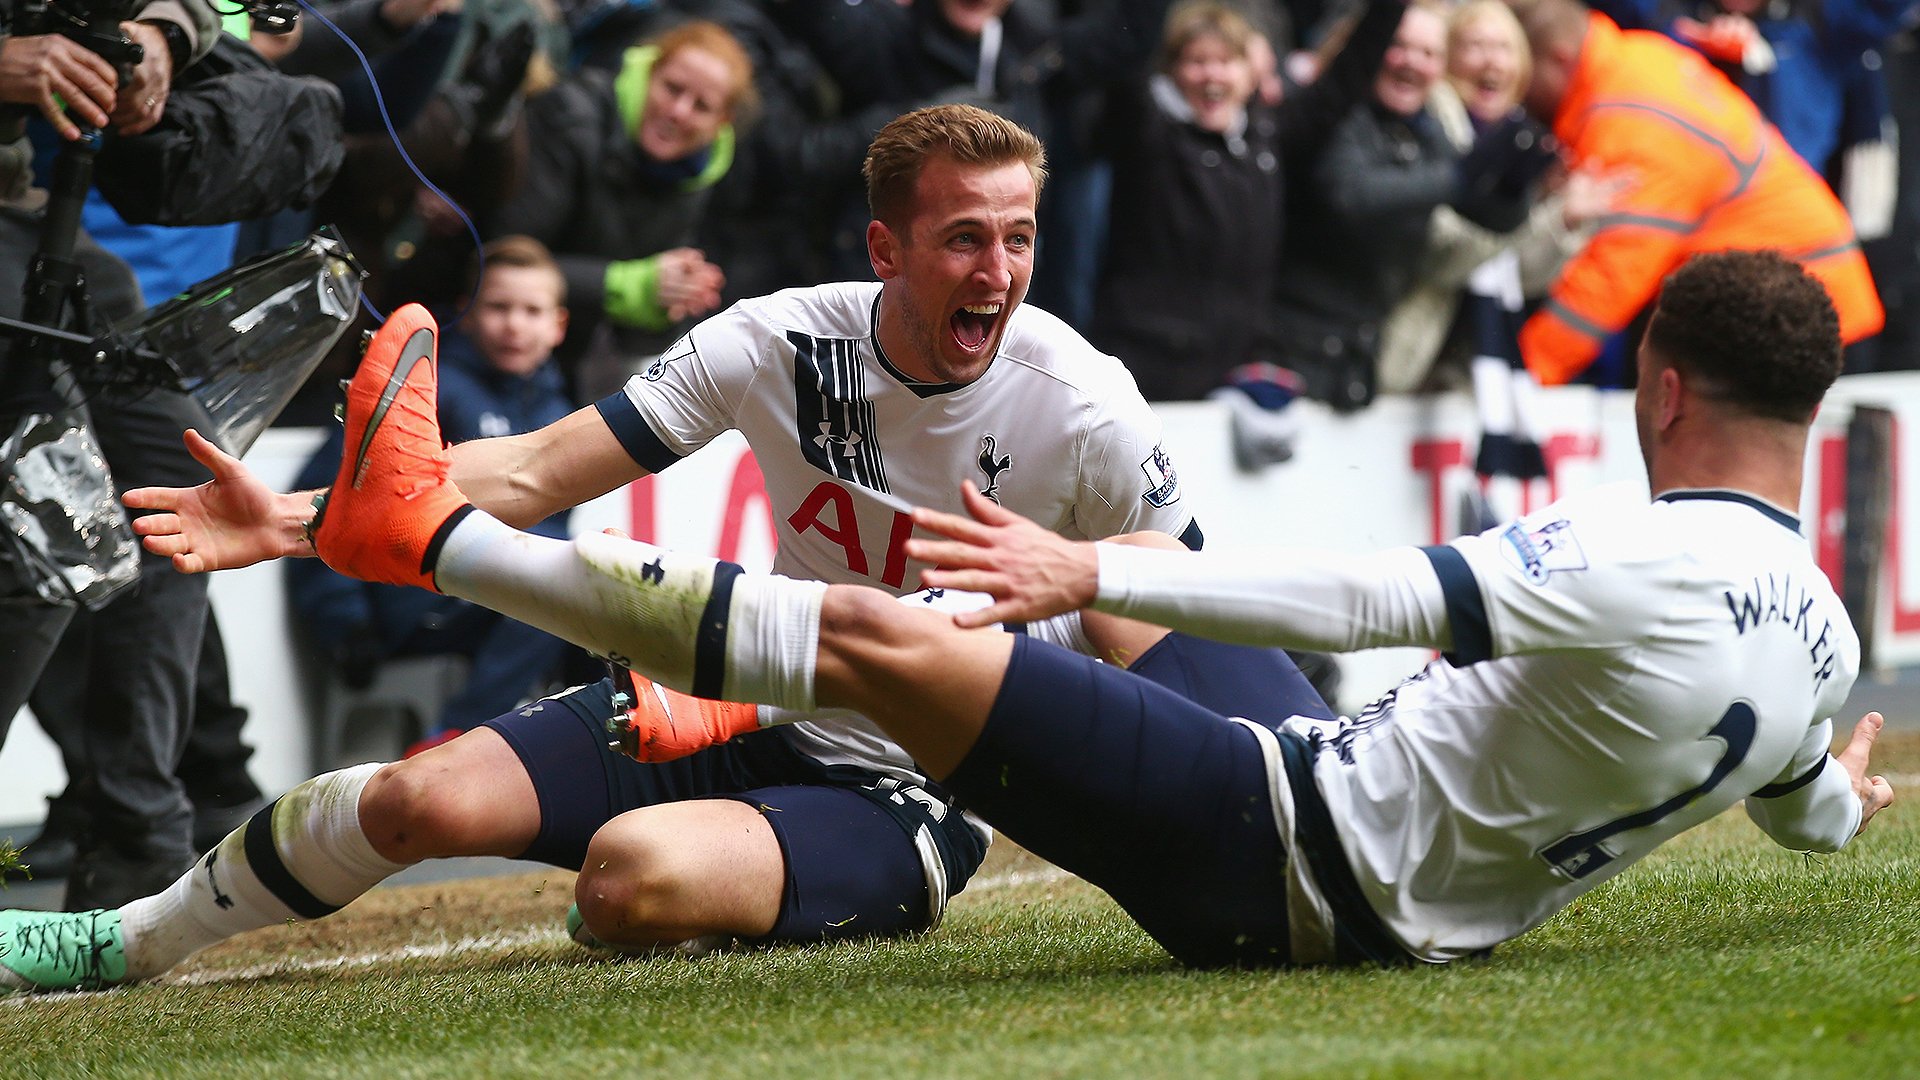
1393	474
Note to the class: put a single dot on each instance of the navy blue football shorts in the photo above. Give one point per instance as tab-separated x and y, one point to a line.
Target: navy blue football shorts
1153	796
847	833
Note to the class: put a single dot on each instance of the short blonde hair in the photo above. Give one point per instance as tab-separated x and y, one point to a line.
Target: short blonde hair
1499	14
1191	20
963	133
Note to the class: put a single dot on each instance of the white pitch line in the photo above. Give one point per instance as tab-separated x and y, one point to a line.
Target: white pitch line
550	935
492	943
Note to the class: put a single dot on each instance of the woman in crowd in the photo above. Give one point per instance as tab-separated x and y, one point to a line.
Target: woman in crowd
1358	213
621	169
1488	65
1195	229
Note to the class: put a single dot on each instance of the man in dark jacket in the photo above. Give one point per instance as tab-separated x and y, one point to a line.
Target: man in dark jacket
128	727
1357	213
1197	204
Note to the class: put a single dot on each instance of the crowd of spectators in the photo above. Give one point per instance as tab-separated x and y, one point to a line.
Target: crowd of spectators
1305	184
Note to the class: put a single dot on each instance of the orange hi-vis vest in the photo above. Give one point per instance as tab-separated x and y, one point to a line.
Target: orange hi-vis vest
1710	174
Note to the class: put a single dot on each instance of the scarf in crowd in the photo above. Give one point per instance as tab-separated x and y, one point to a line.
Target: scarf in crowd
1503	390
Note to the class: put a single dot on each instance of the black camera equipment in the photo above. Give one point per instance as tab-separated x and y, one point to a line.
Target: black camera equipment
237	346
55	284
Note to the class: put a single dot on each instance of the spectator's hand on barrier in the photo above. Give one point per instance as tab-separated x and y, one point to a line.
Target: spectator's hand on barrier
230	521
45	70
689	285
1029	571
1874	791
144	97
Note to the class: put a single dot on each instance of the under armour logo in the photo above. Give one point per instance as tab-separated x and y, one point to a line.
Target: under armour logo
829	438
220	900
653	573
993	467
930	595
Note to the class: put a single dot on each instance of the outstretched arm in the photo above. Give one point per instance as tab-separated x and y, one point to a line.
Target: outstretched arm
1294	597
230	521
236	520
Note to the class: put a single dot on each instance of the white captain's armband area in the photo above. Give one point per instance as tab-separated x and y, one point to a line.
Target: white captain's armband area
1814	811
1300	598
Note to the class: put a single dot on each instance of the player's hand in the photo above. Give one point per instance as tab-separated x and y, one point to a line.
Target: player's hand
56	75
144	97
1874	791
1030	572
230	521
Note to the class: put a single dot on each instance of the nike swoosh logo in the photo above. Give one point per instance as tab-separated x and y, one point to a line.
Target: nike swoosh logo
419	347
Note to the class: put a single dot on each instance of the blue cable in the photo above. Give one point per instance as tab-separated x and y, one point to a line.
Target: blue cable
386	118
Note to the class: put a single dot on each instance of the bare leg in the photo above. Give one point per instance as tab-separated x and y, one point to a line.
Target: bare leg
668	873
928	684
470	796
334	837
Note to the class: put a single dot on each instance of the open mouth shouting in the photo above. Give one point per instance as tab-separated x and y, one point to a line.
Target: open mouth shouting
973	326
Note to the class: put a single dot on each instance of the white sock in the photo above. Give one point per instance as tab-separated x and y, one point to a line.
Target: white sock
1064	630
646	607
313	859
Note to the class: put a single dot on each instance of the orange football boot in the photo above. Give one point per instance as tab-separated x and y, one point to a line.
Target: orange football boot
653	723
392	504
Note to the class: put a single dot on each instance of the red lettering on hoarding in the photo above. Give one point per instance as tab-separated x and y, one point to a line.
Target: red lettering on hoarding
1906	619
1562	448
748	486
1830	511
1434	457
640	510
845	528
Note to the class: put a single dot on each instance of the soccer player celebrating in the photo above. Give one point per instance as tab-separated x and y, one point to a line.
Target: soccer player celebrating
1614	670
860	401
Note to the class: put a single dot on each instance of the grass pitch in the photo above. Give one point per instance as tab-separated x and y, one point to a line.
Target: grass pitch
1720	956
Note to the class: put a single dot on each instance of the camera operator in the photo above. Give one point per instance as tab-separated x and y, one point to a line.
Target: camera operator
119	682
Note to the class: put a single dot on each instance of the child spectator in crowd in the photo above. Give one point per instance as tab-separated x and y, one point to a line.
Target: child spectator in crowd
495	379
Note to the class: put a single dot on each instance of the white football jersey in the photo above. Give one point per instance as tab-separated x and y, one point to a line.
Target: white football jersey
1618	672
848	445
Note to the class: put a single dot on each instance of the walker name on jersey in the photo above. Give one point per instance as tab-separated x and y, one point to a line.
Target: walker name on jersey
1539	550
1782	602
